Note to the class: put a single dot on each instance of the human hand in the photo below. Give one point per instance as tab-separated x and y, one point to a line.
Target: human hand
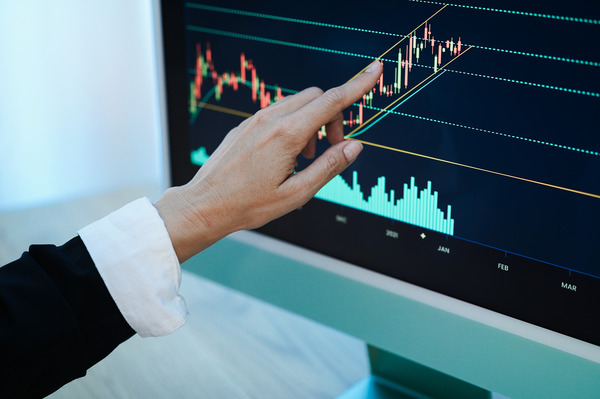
249	180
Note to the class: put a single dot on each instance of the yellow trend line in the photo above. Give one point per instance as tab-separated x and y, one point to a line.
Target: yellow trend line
247	115
399	41
479	169
225	110
404	95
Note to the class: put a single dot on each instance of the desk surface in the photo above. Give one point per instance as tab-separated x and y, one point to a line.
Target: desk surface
232	345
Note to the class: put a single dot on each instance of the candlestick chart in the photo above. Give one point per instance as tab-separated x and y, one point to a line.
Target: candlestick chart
264	94
485	120
481	148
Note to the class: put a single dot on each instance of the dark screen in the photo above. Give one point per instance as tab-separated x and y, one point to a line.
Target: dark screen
479	176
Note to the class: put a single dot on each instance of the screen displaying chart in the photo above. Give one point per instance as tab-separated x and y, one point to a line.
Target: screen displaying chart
479	174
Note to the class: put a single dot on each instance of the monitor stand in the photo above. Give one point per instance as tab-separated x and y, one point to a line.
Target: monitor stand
394	377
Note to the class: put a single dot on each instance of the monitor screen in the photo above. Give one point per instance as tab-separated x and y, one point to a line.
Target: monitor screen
479	174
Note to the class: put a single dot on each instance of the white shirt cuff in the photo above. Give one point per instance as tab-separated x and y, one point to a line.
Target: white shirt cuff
134	256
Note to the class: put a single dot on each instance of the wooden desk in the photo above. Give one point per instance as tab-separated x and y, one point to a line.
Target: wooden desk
232	345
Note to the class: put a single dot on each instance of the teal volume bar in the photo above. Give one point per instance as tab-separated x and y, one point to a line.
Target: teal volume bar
421	210
414	207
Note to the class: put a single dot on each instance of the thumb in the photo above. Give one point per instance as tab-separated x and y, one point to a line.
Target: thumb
331	163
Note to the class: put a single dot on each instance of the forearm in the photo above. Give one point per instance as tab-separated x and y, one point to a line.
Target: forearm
63	309
57	319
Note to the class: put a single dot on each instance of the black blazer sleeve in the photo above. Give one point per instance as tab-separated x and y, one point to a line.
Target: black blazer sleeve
57	319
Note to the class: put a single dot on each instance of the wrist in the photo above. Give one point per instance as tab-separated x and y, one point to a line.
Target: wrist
191	228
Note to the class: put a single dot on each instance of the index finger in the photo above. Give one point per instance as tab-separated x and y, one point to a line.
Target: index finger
327	106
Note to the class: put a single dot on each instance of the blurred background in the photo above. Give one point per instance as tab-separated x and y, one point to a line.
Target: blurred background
79	104
80	126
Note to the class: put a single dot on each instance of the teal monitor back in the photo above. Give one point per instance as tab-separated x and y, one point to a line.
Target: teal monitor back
463	238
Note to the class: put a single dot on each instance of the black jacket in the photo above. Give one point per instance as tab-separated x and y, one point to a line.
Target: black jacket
57	319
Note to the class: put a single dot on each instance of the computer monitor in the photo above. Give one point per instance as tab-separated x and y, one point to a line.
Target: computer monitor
462	242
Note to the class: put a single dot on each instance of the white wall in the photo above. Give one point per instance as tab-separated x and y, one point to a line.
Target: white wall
78	99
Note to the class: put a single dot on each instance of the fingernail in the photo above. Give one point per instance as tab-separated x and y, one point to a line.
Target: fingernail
351	150
372	66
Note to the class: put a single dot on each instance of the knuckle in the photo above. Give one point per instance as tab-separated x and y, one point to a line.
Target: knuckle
261	116
335	97
314	91
331	164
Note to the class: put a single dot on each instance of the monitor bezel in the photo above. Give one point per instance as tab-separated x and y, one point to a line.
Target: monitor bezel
486	324
476	345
